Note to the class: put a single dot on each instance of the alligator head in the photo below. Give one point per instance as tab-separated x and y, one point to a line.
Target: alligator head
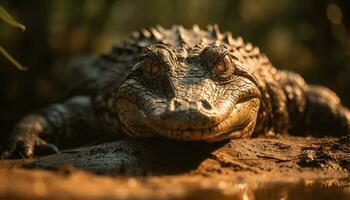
189	93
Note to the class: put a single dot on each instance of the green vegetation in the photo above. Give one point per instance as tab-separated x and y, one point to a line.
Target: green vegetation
4	15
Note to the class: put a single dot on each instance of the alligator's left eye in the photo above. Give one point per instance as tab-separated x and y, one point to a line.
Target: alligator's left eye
224	70
225	65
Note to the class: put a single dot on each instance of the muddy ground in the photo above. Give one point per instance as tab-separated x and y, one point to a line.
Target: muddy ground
259	168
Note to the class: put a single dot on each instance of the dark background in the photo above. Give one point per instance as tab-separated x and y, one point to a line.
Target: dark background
310	37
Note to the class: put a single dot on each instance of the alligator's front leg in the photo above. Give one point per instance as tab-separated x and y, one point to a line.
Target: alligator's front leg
298	108
324	114
72	122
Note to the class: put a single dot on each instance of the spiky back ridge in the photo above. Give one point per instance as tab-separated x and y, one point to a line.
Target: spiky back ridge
109	70
126	54
178	37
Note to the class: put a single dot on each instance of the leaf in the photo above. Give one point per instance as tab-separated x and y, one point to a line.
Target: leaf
12	60
4	15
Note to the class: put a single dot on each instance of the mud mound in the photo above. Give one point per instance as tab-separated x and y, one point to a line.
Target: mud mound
260	168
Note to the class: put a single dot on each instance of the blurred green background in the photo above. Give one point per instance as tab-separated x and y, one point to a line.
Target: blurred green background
310	37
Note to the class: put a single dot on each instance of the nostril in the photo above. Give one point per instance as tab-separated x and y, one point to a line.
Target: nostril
176	104
206	104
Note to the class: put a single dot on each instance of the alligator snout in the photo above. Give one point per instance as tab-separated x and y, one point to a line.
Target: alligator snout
183	115
183	105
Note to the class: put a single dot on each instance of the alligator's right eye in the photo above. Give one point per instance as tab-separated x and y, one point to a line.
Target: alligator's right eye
152	68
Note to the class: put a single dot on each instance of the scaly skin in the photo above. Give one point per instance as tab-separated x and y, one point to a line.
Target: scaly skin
181	84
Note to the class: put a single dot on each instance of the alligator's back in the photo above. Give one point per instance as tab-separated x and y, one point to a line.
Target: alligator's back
112	67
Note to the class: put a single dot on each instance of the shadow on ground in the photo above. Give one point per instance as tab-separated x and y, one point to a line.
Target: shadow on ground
259	168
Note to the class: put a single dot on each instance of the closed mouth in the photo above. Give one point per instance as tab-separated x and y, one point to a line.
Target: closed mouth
235	121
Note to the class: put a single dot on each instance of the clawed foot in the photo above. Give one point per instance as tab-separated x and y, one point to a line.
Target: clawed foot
26	145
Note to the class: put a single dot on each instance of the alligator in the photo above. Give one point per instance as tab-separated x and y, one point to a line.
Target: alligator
182	84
